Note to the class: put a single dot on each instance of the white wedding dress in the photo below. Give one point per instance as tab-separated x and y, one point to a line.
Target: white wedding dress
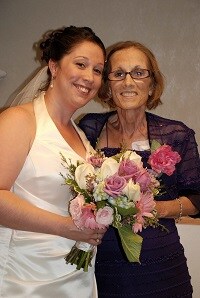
32	265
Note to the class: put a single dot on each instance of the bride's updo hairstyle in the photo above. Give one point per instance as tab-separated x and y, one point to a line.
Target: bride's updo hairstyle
60	42
54	45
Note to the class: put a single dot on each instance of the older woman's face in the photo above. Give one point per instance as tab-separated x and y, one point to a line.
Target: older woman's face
130	93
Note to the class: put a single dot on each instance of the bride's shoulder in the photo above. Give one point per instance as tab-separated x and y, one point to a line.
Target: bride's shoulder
18	118
21	112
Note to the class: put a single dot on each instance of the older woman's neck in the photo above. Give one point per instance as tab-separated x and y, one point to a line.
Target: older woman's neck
129	120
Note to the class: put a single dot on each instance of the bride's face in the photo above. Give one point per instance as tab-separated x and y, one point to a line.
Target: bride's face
78	75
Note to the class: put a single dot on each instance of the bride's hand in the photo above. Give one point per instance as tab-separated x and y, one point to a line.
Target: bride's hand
91	236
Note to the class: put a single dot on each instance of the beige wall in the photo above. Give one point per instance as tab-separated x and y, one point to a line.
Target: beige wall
171	28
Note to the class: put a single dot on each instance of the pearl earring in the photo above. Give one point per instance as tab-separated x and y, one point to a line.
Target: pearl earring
150	92
51	83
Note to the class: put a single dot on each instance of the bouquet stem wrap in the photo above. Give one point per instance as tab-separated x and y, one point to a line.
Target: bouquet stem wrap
81	255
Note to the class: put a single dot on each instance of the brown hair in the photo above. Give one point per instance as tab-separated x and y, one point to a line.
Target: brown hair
60	42
156	76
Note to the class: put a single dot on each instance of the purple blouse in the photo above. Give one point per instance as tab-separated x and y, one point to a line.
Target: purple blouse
162	272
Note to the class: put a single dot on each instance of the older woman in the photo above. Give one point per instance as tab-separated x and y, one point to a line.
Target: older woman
133	83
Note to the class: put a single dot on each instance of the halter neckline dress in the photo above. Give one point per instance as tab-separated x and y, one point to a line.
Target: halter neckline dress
32	264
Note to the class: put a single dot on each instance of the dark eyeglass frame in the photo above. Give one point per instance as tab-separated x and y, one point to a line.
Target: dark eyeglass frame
149	74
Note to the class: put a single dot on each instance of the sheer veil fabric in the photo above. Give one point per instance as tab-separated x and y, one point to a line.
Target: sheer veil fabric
32	89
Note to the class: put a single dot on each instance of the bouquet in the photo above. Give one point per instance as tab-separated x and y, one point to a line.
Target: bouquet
117	191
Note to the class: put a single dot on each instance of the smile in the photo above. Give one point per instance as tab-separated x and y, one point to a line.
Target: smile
83	89
129	93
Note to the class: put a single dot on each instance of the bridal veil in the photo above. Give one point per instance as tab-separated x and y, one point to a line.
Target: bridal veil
32	89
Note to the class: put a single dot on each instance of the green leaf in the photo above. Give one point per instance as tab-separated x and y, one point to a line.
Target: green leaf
77	189
155	145
128	211
132	243
100	204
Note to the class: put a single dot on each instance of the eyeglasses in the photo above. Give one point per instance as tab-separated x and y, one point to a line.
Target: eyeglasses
136	74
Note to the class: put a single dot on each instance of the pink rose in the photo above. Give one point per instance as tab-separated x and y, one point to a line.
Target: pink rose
96	160
128	169
82	214
76	206
87	218
144	179
163	160
114	185
104	216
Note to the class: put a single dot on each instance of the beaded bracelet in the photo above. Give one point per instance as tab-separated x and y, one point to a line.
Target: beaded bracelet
181	210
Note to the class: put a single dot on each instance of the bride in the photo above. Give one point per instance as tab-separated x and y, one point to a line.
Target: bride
36	230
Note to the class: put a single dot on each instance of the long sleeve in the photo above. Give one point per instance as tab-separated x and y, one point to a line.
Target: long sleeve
189	171
186	180
182	139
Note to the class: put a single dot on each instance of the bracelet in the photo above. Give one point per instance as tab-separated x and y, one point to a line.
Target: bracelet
181	210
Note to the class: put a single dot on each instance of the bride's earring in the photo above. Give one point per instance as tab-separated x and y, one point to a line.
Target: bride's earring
150	92
51	83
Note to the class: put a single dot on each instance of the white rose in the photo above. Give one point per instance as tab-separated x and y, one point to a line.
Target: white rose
81	173
109	167
132	155
132	191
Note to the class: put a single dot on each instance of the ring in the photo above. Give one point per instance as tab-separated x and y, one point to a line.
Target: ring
97	240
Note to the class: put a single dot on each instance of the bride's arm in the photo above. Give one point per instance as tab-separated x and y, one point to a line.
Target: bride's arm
17	131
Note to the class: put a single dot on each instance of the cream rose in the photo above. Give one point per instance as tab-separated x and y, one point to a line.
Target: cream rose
132	155
81	174
132	191
109	167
